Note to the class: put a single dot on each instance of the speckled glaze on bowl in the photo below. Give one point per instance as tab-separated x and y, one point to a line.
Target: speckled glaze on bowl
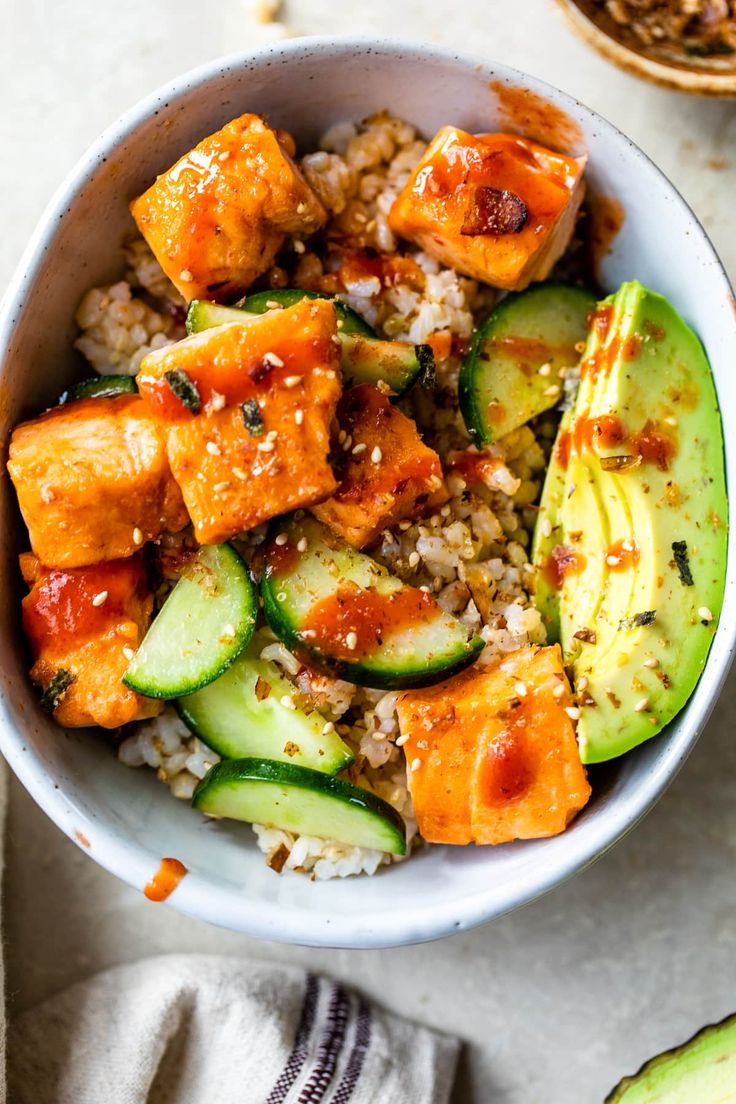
125	818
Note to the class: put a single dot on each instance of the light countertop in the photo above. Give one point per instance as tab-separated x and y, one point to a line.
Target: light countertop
560	999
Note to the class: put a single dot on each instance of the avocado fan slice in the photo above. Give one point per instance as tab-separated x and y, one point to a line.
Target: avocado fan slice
644	504
700	1071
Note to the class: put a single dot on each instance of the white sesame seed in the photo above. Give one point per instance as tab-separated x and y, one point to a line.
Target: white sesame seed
272	435
520	689
137	536
704	614
223	486
671	420
423	745
347	443
414	559
651	663
627	546
359	448
351	641
282	538
100	599
301	544
238	473
552	390
558	691
415	764
544	369
642	705
301	208
228	631
582	683
185	276
266	446
273	359
128	653
341	436
573	712
298	416
299	246
613	561
328	728
292	381
404	525
425	588
273	305
335	339
213	448
223	156
288	702
401	740
376	455
546	527
217	401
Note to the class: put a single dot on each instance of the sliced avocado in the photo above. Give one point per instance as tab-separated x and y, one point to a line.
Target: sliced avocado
701	1071
645	507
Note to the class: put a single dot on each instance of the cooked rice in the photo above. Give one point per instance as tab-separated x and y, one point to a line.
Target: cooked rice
472	554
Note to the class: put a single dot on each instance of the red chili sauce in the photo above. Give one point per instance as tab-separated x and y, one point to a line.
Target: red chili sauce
505	773
561	563
165	880
654	445
626	557
606	430
369	615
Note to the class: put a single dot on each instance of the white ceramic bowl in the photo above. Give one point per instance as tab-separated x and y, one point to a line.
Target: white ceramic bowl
126	818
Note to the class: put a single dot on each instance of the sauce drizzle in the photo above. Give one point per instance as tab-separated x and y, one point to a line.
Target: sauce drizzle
562	562
364	618
165	880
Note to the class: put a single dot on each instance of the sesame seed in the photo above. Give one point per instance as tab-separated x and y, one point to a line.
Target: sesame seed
341	436
546	527
612	561
217	401
340	323
273	359
347	443
671	420
213	448
651	663
359	448
272	435
335	339
425	588
351	641
282	538
520	689
298	416
415	764
287	701
414	559
552	390
222	486
100	599
558	691
137	536
239	473
401	740
223	156
642	705
185	276
301	208
228	631
266	446
573	712
273	305
376	455
423	745
299	246
328	728
544	369
404	525
582	683
704	614
281	596
627	546
128	653
301	544
292	381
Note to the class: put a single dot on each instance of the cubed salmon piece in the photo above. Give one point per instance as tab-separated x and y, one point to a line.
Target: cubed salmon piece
494	752
83	625
93	481
386	474
496	207
217	218
257	444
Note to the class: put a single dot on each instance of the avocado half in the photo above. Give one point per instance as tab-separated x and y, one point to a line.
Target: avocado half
701	1071
632	532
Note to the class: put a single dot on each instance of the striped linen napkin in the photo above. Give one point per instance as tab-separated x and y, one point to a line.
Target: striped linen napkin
201	1029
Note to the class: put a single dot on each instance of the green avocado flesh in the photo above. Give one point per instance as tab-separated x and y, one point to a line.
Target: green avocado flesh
631	547
701	1071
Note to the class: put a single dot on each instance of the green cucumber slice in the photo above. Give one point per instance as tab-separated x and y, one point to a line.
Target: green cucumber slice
101	387
500	386
235	719
313	571
365	357
296	799
352	323
202	627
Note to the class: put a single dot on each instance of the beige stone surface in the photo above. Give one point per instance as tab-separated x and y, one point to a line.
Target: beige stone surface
556	1001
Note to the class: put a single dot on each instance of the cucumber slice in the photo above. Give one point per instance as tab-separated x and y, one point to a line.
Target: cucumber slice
281	795
242	714
365	358
202	627
500	386
352	323
101	387
330	603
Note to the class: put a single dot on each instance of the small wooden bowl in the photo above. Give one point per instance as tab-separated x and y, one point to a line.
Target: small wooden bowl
707	77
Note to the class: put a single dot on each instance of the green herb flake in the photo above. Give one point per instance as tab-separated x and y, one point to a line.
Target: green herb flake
427	366
56	689
252	417
682	563
184	389
637	620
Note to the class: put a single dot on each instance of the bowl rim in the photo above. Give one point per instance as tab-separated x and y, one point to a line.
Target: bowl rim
677	77
131	861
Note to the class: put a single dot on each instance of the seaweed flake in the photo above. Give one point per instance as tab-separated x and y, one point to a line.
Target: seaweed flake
682	563
252	417
184	389
56	689
637	620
